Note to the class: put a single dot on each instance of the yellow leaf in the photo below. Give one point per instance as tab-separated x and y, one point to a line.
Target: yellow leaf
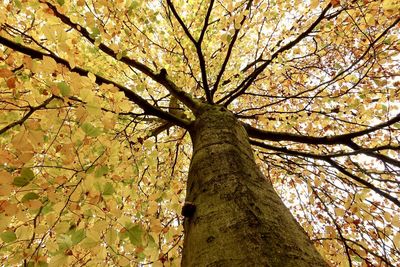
155	225
108	123
100	226
4	221
52	246
158	264
101	253
41	229
391	5
396	221
24	232
148	144
62	227
314	4
339	212
387	216
396	239
122	261
347	204
49	65
59	260
94	235
153	207
330	231
89	243
111	236
370	19
92	77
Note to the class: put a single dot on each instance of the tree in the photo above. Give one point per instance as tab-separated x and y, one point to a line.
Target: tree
126	123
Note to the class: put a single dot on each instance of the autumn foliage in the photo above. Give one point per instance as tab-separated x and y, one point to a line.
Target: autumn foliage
94	158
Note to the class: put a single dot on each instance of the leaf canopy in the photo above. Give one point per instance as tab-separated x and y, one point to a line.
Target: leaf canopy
94	158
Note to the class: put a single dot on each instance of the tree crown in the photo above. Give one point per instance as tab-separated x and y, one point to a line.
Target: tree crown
96	98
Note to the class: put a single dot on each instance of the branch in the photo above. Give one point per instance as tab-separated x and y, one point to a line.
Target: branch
228	53
132	96
249	79
206	19
344	139
338	228
363	182
179	19
379	156
27	115
184	97
323	156
200	55
319	156
160	129
328	159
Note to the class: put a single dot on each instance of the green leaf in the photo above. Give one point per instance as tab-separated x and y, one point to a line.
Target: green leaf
48	208
133	5
29	196
18	4
26	176
20	181
42	264
95	32
64	88
8	236
64	242
28	173
108	189
141	256
151	242
119	56
78	236
18	39
90	130
102	170
60	2
135	235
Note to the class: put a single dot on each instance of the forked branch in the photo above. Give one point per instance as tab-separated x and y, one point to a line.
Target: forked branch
227	99
197	45
161	79
132	96
328	159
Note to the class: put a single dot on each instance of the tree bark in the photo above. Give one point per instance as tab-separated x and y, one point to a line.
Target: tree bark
238	219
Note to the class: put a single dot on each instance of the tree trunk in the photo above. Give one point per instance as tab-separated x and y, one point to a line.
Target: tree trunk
238	219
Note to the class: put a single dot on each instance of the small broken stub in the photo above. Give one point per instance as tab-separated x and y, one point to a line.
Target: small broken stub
188	209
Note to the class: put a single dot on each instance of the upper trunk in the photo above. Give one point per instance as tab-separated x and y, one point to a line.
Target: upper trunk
238	220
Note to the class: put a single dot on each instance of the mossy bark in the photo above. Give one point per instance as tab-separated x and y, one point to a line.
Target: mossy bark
239	219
